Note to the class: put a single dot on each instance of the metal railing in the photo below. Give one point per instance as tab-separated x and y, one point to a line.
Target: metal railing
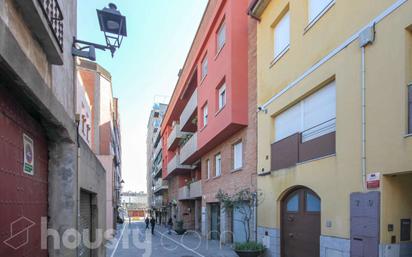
54	15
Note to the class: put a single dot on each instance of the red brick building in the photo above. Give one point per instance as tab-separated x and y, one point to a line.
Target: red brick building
209	129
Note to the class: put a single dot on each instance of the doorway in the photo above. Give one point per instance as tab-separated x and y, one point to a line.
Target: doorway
300	224
215	221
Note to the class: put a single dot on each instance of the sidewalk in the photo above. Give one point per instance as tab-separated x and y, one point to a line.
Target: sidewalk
193	242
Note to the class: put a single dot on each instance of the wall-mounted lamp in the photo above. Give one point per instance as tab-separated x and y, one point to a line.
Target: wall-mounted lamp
113	24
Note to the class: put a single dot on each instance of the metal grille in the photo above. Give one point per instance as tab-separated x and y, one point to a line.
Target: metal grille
85	223
51	9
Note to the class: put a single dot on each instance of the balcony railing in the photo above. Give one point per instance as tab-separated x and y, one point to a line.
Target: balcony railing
45	19
188	114
174	165
183	193
51	9
196	189
191	191
317	142
160	184
188	150
175	138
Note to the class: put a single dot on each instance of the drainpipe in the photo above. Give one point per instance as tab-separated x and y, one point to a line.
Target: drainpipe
366	37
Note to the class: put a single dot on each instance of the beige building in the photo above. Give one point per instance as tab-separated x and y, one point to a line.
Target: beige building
334	126
102	131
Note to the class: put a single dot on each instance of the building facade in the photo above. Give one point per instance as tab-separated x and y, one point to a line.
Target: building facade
157	188
134	204
42	157
334	152
102	130
208	133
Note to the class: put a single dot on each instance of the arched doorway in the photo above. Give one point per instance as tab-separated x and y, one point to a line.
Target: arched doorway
300	223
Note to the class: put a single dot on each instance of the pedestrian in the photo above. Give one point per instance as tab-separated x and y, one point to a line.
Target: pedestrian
153	223
170	225
147	222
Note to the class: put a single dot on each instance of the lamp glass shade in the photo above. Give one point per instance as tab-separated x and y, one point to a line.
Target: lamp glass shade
111	21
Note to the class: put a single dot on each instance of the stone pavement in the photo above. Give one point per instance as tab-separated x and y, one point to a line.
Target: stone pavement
134	240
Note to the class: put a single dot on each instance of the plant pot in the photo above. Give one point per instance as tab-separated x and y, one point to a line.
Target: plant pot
180	231
249	253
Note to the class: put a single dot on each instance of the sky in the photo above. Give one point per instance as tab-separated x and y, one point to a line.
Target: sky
145	68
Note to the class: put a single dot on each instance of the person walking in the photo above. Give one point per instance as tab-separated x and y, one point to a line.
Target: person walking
147	222
170	225
152	223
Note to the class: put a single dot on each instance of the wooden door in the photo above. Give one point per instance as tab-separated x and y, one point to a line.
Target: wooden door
301	224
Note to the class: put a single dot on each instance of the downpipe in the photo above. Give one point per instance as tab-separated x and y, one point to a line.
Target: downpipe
363	118
366	37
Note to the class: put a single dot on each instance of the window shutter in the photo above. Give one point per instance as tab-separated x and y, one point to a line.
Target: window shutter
282	34
288	122
316	7
319	113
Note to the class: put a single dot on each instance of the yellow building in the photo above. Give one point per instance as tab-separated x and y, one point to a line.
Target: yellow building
334	127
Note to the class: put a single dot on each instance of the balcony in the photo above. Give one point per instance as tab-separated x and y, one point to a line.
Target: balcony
157	151
175	138
189	113
174	166
183	193
45	19
189	150
196	189
160	185
157	168
312	144
191	191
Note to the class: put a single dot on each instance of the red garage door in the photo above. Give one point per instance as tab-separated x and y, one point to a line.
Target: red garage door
23	184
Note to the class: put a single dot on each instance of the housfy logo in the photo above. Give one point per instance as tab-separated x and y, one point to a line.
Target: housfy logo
19	233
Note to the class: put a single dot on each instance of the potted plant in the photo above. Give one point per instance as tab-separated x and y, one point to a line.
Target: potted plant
243	201
179	227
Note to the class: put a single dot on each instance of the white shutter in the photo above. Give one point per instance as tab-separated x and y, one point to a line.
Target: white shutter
319	113
313	117
316	7
282	35
288	122
237	156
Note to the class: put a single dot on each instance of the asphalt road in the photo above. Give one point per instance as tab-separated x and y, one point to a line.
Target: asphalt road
133	240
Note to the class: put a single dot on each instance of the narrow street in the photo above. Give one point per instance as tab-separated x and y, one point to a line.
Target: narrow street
134	240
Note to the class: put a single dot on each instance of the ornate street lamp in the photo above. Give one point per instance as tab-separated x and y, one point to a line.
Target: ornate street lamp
113	24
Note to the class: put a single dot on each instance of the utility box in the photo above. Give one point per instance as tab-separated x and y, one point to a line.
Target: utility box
364	224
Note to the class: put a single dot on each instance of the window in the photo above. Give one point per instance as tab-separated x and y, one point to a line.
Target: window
293	204
222	97
317	7
282	35
221	37
312	203
237	156
208	168
410	109
205	115
204	67
314	116
218	165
